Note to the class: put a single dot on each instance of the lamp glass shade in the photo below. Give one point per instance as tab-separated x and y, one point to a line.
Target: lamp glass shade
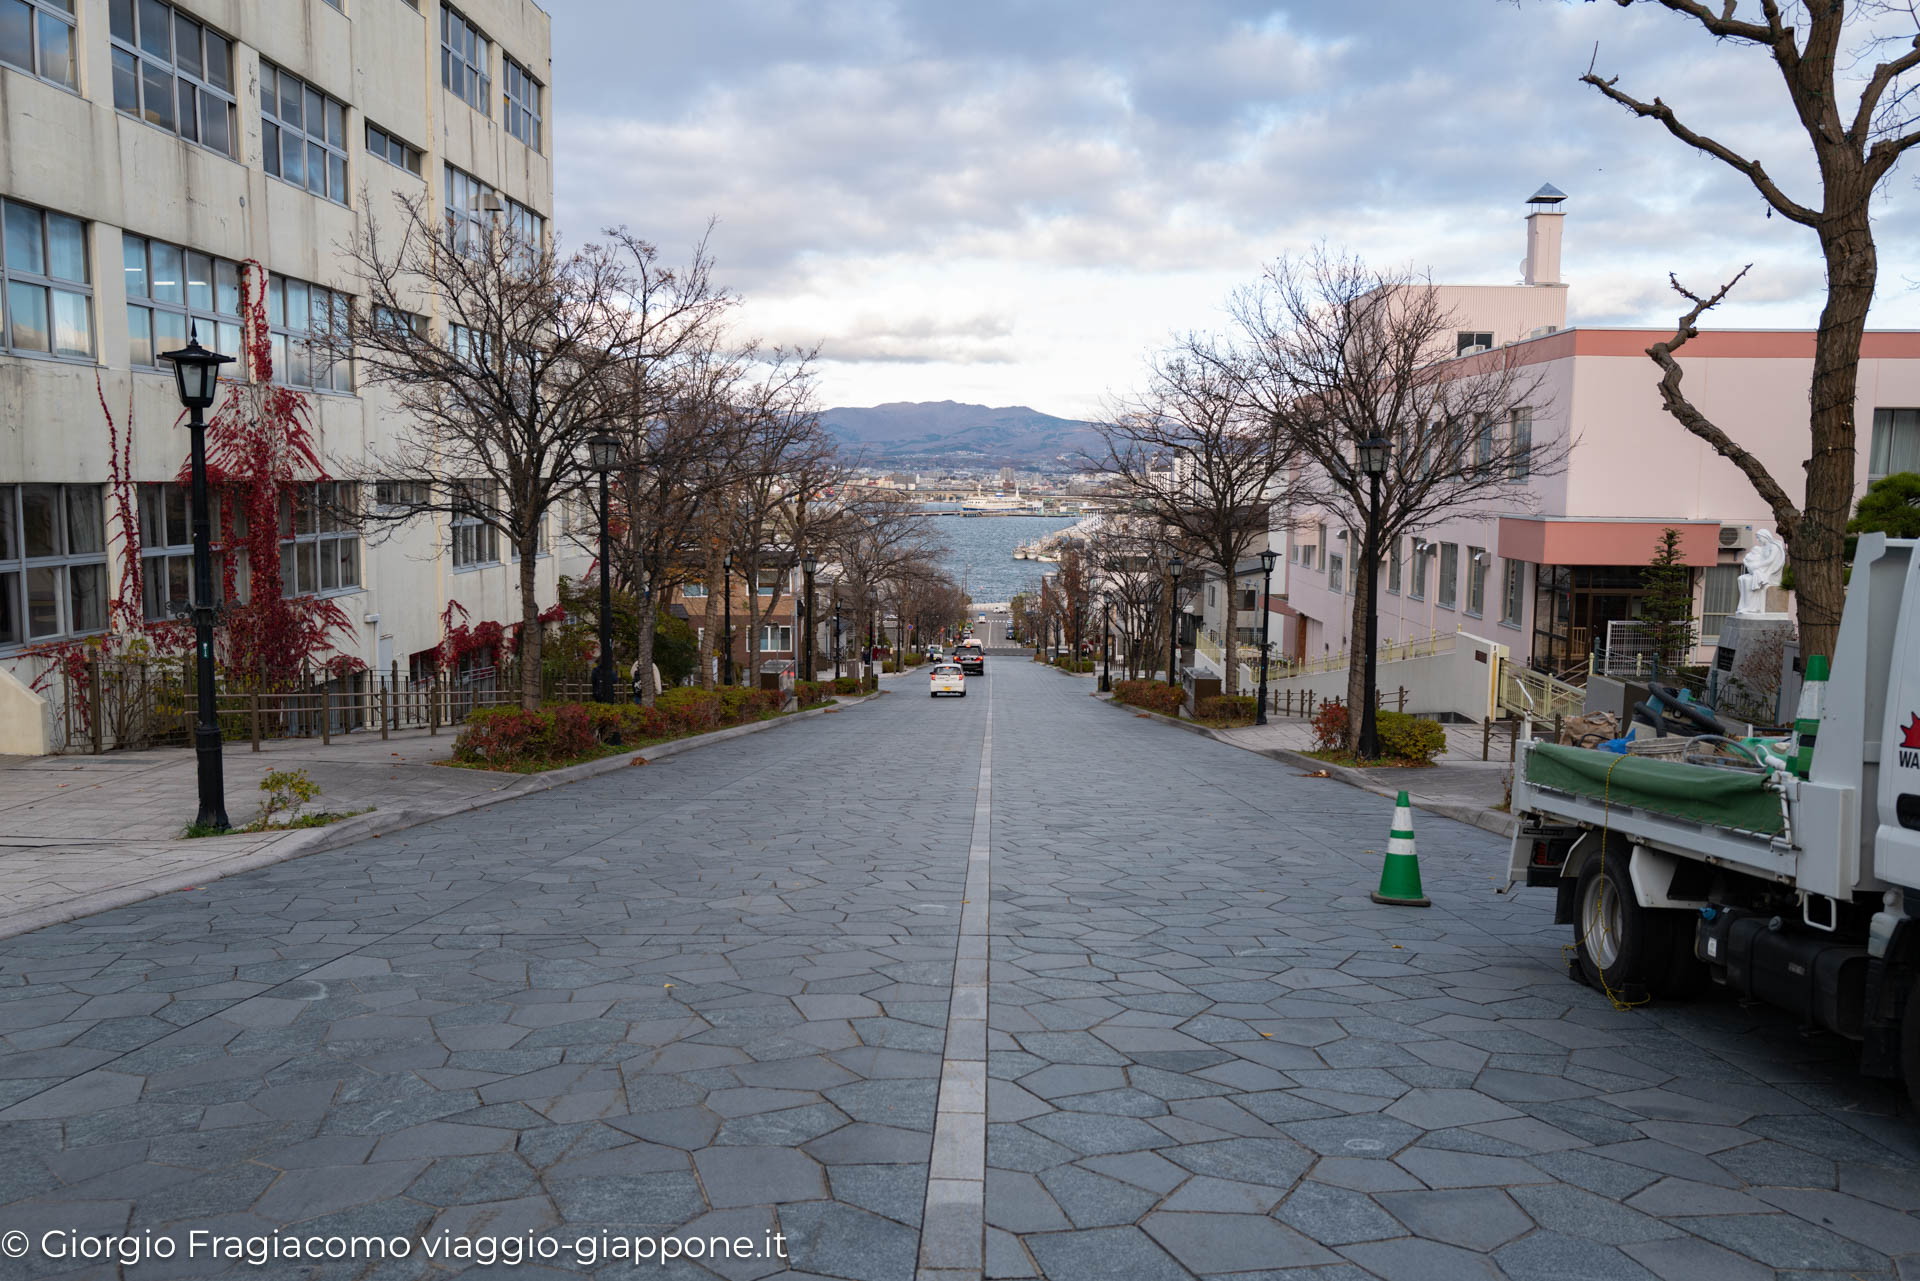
808	564
603	452
196	372
1177	565
1370	456
726	562
1268	558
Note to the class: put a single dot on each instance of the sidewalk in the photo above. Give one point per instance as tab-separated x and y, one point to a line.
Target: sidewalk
1459	786
81	834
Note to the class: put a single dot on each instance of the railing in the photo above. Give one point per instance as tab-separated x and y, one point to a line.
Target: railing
1525	692
141	703
1390	651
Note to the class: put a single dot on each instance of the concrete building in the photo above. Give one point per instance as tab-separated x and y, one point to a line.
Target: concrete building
158	155
1546	574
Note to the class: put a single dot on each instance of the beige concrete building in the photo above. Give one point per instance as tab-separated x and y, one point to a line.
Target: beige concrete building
148	150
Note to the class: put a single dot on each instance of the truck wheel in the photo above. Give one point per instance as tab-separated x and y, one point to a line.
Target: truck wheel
1627	949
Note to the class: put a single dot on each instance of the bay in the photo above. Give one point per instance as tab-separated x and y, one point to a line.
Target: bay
979	552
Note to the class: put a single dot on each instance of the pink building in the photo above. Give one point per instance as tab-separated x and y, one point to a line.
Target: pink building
1546	573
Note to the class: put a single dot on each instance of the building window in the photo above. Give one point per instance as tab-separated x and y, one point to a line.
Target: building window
302	320
173	73
53	562
1393	567
1721	598
529	232
470	346
469	220
402	155
319	546
1465	341
475	542
465	55
523	104
1896	443
402	493
1476	581
694	591
1336	573
37	37
539	542
766	582
1520	428
1448	596
776	639
1483	444
387	318
49	296
1417	570
1320	553
303	134
1510	596
173	291
166	551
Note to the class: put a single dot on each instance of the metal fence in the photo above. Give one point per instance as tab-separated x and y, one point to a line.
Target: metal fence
118	703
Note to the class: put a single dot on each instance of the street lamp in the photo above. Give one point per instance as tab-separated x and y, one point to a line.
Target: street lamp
1173	627
603	455
1267	559
196	376
836	629
726	592
809	563
1106	644
1370	458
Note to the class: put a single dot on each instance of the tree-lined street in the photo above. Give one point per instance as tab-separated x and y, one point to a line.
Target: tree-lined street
711	996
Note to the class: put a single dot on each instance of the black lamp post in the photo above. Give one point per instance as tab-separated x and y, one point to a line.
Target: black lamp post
809	563
603	455
1173	619
1106	644
1370	456
726	592
836	629
1267	559
196	375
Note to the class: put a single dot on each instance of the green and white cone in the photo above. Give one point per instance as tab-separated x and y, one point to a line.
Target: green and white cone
1400	874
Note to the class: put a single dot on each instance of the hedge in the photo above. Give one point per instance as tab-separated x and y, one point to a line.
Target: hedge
514	738
1155	696
1409	738
1234	709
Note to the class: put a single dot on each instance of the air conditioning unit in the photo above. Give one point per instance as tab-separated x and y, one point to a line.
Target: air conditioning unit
1543	330
1476	349
1736	537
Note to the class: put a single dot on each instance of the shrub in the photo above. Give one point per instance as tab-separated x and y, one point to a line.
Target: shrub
1154	696
1330	726
512	738
1409	738
1231	709
286	791
811	693
846	684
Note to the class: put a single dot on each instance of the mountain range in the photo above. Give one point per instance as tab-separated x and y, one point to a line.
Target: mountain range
948	432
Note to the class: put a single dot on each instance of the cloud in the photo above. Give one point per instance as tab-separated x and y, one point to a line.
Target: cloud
1088	177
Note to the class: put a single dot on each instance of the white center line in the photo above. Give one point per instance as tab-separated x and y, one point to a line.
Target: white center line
953	1225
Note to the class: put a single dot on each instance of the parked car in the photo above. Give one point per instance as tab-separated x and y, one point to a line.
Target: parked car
946	678
972	661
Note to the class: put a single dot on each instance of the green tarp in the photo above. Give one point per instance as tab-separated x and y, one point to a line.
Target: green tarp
1728	798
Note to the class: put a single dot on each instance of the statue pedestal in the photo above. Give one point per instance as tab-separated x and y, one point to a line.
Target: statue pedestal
1752	676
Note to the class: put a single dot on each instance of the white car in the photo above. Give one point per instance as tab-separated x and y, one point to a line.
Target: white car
983	618
946	678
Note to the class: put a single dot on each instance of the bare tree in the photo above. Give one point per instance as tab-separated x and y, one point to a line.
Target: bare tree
1855	150
1128	560
1340	353
1193	452
494	410
878	540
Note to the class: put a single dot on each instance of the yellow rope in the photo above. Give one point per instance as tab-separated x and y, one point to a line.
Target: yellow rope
1606	822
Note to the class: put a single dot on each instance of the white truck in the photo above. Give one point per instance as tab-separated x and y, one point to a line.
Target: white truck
1787	890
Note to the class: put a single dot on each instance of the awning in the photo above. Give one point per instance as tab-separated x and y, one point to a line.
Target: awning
1545	541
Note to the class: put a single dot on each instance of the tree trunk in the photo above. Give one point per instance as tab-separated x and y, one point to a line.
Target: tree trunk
1230	679
1818	544
643	664
529	649
713	576
1363	569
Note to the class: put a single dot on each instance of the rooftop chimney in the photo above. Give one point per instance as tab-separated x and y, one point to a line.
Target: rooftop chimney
1542	265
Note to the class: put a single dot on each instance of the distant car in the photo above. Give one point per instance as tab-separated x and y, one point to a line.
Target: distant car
972	661
983	618
946	678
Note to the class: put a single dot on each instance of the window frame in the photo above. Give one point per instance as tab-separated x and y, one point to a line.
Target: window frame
132	49
1446	593
776	631
1466	338
480	75
515	106
1337	573
1711	620
464	201
39	11
282	336
1893	426
1417	571
413	160
1476	606
214	326
329	534
17	566
472	541
1512	593
1520	445
276	126
47	283
159	550
1393	567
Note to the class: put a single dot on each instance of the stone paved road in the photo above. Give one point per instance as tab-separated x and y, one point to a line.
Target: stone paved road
718	996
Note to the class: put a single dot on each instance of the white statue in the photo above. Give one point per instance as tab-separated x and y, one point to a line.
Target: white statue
1763	563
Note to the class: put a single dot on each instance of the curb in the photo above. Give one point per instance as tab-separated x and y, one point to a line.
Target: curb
378	823
1486	820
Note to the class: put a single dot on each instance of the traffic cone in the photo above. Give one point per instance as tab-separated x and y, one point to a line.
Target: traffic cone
1400	874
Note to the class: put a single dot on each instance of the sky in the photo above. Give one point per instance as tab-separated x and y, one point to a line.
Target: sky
1013	202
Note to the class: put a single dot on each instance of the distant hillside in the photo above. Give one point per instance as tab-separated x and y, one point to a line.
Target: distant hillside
947	431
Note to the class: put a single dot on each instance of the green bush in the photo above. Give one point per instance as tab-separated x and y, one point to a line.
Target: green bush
1154	696
846	684
1229	709
1409	738
515	739
813	693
